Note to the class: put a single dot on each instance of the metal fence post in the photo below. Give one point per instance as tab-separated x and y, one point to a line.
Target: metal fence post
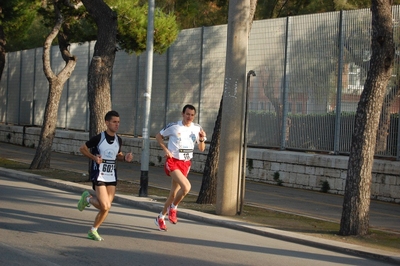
34	90
136	116
285	87
398	139
167	91
7	88
339	88
201	78
20	87
87	89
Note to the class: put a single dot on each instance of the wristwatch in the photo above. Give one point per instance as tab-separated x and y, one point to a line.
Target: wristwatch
204	139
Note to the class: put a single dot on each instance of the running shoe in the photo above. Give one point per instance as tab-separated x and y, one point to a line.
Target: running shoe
82	203
94	236
160	223
172	215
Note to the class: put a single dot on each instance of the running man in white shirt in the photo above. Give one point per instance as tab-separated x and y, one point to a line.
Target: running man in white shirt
183	135
106	149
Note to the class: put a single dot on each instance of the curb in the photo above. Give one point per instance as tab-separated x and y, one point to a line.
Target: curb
153	205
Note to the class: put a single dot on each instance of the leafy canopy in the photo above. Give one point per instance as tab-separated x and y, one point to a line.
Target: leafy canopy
79	26
132	28
17	19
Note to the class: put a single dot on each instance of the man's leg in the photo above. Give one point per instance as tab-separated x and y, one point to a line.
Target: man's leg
184	184
172	193
104	197
180	187
102	201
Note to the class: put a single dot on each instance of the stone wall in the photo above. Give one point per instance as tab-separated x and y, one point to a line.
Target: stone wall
291	169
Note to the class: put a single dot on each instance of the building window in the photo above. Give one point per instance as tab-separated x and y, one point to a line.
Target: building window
299	107
354	76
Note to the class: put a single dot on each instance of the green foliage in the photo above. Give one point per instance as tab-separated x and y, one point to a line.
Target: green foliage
17	20
21	19
132	29
132	22
166	32
192	14
274	9
78	25
26	40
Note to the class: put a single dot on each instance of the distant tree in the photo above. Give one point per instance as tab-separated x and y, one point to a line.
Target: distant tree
284	8
358	56
356	203
78	25
16	17
132	29
111	36
56	84
193	14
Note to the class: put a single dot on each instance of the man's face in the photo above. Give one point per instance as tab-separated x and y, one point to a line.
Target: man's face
113	124
188	116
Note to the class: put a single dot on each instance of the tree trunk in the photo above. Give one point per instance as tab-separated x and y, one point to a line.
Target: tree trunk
56	84
208	190
100	70
355	213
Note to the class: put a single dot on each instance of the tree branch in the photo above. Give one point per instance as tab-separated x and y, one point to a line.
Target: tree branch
49	40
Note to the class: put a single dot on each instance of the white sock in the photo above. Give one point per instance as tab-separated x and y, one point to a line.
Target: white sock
88	201
93	229
173	206
161	215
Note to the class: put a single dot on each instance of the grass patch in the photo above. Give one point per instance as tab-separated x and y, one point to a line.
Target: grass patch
251	214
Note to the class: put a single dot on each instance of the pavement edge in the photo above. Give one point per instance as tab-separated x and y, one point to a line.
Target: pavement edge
152	205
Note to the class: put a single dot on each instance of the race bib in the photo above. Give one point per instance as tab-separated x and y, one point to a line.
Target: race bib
107	167
185	154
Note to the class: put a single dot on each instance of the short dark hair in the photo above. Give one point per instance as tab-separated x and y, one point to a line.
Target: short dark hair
110	114
188	106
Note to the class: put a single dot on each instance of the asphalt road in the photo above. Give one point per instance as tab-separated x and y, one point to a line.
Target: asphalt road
40	225
325	206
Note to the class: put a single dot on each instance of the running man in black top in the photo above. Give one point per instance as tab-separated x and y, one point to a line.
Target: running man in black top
105	150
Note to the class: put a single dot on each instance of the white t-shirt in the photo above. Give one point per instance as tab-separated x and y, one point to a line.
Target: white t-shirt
181	139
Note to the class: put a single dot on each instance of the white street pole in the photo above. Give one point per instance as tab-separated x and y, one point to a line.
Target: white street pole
144	176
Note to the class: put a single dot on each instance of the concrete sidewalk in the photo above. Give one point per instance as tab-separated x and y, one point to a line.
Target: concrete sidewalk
384	216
